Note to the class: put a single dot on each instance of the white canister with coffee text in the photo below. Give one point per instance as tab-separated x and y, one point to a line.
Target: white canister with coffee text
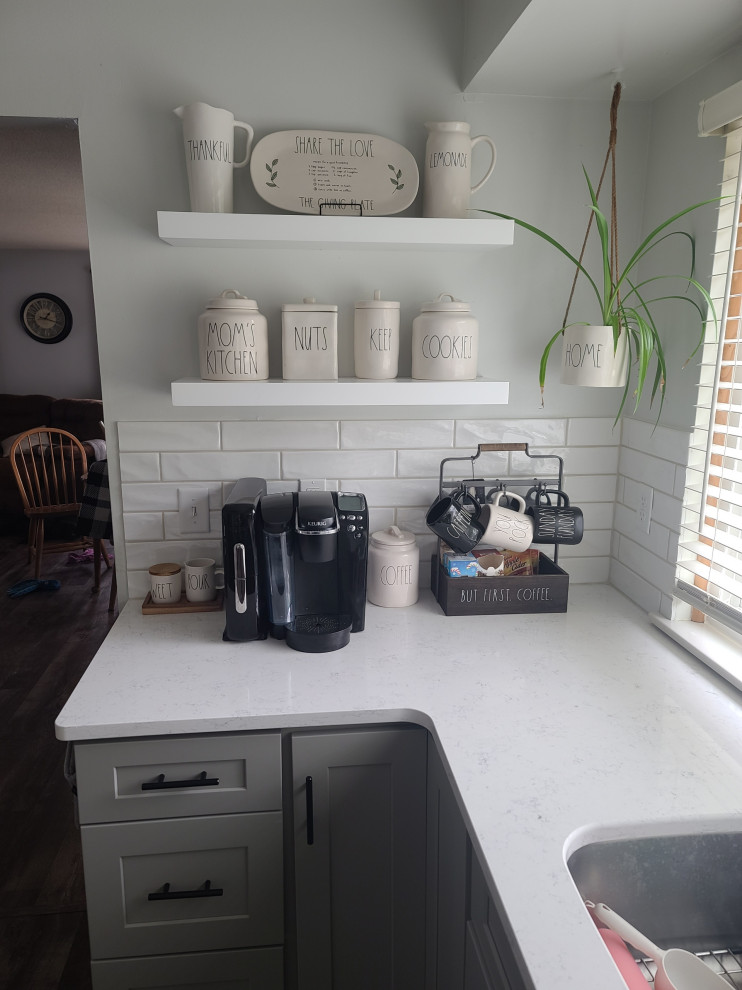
310	341
393	568
232	340
445	341
376	338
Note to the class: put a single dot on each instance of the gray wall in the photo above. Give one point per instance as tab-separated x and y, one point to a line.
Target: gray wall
69	368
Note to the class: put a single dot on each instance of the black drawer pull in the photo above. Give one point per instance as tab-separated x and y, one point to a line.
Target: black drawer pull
161	784
310	812
166	894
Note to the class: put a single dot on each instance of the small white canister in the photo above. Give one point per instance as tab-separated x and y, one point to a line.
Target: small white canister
310	341
376	338
233	340
393	568
445	341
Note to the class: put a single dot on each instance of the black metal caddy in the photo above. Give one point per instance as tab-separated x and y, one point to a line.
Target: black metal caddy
546	591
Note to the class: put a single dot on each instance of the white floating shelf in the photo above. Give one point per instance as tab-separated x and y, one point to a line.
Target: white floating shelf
290	230
344	392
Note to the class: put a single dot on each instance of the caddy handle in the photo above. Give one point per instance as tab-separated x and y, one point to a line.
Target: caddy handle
503	446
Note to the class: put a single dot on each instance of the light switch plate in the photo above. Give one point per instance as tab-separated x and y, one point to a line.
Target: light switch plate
193	510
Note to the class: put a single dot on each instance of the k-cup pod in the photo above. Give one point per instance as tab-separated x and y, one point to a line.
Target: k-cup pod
166	583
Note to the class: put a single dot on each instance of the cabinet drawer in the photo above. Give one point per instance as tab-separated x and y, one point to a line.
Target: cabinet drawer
240	969
178	776
184	884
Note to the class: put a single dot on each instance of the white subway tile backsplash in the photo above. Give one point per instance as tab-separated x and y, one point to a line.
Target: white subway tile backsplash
168	436
413	520
221	465
655	569
542	432
143	526
272	435
140	467
660	441
586	488
392	492
380	519
647	468
593	432
172	525
635	587
149	497
586	570
338	463
427	463
398	434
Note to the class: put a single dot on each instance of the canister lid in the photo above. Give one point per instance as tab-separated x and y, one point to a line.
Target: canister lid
445	303
231	299
392	537
310	305
377	302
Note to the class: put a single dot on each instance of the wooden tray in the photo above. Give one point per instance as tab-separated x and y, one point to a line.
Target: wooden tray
182	606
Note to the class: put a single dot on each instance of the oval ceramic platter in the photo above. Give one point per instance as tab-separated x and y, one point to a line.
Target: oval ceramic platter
334	172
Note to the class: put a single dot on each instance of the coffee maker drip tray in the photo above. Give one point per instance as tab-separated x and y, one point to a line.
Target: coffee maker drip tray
321	632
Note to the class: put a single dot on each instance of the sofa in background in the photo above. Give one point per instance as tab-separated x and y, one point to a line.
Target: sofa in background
81	417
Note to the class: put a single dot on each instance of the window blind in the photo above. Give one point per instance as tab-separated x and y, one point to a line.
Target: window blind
709	569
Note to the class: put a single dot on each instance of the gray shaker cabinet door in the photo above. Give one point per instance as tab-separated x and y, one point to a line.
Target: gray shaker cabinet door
447	874
360	858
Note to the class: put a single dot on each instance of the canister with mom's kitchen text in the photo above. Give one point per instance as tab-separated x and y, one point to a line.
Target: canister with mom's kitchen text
232	339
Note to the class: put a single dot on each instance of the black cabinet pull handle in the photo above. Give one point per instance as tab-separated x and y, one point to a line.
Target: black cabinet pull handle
310	812
166	894
162	785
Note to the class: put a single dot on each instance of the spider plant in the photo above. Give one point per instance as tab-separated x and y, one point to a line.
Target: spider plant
623	301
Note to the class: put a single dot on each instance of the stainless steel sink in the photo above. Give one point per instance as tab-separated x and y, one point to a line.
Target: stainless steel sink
681	890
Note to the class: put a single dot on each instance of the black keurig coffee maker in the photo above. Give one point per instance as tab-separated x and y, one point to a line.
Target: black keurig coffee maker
312	551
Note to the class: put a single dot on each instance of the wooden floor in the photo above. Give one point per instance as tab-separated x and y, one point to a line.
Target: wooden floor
47	639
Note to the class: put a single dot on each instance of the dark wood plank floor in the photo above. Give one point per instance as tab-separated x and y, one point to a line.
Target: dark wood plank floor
47	639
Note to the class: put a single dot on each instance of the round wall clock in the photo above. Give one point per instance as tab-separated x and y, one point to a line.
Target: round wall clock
46	318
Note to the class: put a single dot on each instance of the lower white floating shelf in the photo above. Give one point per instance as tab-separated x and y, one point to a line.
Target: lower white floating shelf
343	392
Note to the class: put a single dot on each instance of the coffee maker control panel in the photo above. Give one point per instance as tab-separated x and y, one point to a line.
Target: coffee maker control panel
352	514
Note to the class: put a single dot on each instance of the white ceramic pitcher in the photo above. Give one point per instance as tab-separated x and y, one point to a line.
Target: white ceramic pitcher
208	139
447	172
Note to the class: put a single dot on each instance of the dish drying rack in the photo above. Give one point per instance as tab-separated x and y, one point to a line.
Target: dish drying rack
726	962
482	488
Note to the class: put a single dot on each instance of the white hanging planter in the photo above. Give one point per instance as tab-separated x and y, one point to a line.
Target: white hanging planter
588	357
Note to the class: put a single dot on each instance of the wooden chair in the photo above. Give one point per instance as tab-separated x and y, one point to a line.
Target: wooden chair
48	465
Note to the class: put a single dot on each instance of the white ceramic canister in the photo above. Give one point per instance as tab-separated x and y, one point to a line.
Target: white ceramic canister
310	341
393	568
376	338
445	341
232	340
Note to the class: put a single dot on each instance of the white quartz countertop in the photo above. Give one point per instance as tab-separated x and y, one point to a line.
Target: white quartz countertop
557	728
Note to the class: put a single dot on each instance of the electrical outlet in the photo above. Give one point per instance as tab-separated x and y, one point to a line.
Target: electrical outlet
193	510
312	485
644	498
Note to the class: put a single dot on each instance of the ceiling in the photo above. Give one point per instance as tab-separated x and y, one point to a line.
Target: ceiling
578	49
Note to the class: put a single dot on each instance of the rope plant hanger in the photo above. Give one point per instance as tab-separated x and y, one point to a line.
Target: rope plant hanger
610	157
626	299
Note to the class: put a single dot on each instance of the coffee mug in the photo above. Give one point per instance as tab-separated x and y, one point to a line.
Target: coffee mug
458	519
166	583
508	529
557	522
202	579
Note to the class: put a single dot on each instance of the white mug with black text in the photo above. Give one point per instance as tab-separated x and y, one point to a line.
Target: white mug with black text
202	579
